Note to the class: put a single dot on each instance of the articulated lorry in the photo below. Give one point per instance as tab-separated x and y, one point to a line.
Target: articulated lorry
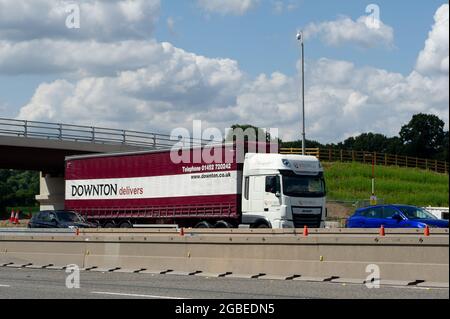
203	188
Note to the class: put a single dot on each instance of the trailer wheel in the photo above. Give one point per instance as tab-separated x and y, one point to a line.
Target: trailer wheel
97	223
109	225
203	225
222	224
125	225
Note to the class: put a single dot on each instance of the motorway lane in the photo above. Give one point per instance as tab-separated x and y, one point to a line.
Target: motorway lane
50	284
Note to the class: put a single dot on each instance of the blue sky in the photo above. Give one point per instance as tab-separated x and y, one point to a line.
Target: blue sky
50	73
263	41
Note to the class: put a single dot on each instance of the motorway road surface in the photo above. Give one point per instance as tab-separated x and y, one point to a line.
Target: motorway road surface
50	284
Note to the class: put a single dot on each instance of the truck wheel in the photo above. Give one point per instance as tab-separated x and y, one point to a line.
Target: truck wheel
262	226
222	224
125	225
203	225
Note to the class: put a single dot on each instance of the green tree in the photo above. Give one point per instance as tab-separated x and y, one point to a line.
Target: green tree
298	144
423	136
366	142
443	155
18	188
251	133
395	146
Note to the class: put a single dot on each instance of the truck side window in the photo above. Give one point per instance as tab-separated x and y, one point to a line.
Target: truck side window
272	184
246	187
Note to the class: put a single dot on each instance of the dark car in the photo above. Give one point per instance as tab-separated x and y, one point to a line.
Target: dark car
394	216
59	219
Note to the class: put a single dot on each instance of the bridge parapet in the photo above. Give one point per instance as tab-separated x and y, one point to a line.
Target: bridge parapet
86	134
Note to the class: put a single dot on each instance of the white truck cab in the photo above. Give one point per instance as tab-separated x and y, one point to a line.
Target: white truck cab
283	191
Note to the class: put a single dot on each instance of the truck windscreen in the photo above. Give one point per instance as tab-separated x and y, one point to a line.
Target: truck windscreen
303	185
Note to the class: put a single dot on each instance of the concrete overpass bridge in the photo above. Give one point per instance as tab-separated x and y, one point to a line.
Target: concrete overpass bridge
41	146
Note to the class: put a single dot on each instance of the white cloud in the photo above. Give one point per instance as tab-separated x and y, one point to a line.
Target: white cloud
171	25
44	100
342	99
171	91
104	20
345	30
79	58
434	57
182	87
153	86
114	35
369	99
224	7
281	6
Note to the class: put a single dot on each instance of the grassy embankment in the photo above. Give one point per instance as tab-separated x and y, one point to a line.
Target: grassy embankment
352	182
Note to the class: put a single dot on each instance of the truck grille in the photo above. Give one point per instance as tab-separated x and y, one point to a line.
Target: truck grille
303	216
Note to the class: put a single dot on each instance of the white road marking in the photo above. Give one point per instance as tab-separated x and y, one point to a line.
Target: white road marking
418	288
133	295
5	286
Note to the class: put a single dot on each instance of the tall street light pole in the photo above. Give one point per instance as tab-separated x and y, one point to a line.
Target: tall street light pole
300	38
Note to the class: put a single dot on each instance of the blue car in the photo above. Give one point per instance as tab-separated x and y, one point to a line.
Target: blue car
394	216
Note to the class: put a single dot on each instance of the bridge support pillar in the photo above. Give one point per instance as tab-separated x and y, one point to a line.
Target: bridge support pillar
52	190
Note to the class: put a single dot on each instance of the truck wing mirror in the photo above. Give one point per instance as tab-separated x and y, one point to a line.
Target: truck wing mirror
278	194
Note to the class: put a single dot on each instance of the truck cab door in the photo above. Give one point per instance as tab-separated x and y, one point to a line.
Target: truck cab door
272	195
256	194
262	199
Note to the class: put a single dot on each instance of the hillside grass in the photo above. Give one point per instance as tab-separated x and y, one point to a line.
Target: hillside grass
352	182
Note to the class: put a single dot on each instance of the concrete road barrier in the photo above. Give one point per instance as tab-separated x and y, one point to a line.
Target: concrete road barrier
330	255
222	231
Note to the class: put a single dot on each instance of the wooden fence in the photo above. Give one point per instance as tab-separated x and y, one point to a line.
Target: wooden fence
333	155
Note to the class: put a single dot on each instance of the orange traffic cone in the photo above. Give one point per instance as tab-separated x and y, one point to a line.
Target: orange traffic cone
181	231
305	231
382	232
78	232
16	218
427	231
11	218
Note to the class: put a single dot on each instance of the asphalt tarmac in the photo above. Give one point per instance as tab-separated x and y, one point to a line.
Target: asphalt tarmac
51	284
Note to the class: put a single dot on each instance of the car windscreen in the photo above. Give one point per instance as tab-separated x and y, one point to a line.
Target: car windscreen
303	185
69	217
416	212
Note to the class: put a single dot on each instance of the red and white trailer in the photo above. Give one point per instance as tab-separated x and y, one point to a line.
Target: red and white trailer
120	190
